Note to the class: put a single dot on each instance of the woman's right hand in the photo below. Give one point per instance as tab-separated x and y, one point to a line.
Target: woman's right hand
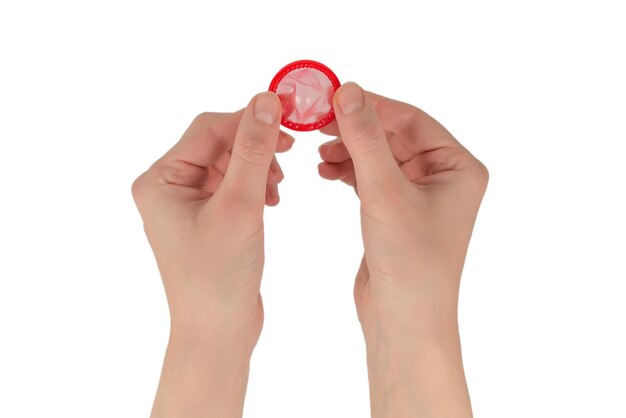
420	191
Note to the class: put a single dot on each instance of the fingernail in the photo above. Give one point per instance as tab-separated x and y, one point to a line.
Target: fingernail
266	108
350	98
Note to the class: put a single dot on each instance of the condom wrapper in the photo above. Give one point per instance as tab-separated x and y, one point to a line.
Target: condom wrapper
306	89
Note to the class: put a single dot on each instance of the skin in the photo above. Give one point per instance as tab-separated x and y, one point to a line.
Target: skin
202	204
420	191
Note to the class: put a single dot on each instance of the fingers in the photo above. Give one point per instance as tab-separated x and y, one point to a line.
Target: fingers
205	140
365	139
418	130
343	171
215	176
285	142
253	151
271	195
275	174
334	151
331	129
214	180
210	135
337	164
410	129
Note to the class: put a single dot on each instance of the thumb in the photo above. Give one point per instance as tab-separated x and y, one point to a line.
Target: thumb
364	137
253	150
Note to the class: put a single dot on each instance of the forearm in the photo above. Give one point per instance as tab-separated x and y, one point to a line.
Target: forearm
202	380
417	377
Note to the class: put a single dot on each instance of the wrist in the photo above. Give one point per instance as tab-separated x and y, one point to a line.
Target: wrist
210	350
417	375
214	339
202	378
206	366
408	325
214	326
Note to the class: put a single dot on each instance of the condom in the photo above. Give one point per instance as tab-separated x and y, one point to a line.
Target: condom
306	89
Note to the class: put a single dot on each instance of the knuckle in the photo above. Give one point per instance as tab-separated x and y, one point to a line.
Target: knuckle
204	118
479	176
483	171
408	119
138	187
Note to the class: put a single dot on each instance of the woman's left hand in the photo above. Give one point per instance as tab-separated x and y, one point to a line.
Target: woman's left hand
202	205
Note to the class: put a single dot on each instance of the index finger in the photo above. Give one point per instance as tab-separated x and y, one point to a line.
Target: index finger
212	134
417	130
206	139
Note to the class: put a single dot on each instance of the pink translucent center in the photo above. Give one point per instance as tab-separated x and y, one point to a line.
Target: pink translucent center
306	95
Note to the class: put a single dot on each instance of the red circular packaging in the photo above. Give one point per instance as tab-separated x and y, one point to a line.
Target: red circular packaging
306	89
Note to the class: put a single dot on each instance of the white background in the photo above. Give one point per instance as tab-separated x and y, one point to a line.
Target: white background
91	93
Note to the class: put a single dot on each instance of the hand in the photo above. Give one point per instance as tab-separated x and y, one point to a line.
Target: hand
420	191
202	205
